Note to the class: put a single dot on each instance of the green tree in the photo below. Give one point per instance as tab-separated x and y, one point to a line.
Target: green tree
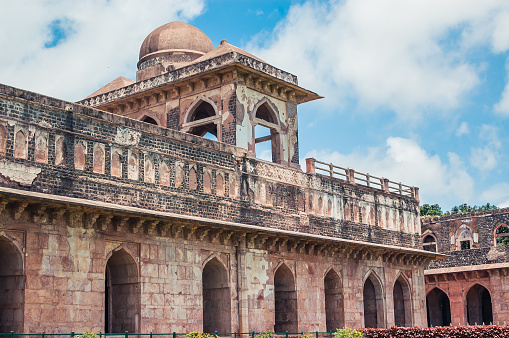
431	210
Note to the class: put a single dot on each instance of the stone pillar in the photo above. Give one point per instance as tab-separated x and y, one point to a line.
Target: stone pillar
310	165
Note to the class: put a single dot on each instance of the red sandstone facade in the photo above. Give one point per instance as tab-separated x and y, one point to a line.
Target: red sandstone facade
113	224
472	286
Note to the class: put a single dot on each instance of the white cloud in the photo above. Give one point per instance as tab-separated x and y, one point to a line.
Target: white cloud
484	158
104	44
502	106
405	160
497	194
394	54
463	129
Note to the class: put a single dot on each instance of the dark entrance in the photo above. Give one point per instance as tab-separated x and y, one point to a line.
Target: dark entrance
479	310
12	288
438	308
216	298
122	293
285	298
373	306
402	303
334	308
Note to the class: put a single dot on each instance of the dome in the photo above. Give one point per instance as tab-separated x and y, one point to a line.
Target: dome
175	38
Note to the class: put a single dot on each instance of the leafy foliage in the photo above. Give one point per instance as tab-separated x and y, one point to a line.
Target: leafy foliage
88	335
196	334
348	333
502	240
436	210
480	331
306	335
268	334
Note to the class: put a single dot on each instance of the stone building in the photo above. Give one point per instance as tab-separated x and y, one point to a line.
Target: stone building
118	213
472	286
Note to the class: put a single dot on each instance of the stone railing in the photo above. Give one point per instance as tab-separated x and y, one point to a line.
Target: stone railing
353	177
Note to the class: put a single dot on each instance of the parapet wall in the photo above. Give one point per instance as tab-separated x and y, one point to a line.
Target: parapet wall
66	149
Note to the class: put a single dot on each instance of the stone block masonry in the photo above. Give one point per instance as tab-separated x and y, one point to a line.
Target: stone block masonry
111	224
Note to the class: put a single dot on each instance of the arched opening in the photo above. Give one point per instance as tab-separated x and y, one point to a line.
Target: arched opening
285	298
12	288
202	121
373	303
465	240
429	243
438	308
216	298
267	143
122	293
479	309
502	235
334	306
402	303
150	120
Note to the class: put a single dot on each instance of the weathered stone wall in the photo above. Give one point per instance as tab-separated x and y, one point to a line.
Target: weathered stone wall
96	155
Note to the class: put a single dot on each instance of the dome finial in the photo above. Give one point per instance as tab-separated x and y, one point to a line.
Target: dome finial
224	42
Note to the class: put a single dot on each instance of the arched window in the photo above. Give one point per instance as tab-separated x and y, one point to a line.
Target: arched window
12	287
267	142
202	120
122	293
438	308
465	240
479	309
334	305
150	120
285	298
502	235
429	243
216	297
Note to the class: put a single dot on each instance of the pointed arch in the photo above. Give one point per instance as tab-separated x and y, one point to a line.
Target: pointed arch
438	307
479	306
501	234
266	127
429	241
464	237
202	118
122	291
285	299
216	296
334	304
150	118
373	300
402	300
12	285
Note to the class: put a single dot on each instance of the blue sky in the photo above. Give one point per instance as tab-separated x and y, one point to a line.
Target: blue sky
415	90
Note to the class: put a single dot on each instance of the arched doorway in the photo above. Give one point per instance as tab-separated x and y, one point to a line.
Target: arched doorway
285	298
334	306
122	293
479	309
402	303
373	302
12	287
216	298
438	308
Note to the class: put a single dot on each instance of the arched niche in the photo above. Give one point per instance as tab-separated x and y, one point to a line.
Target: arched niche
285	299
122	293
438	308
202	119
266	142
401	296
216	297
148	119
334	304
429	242
12	287
479	307
373	302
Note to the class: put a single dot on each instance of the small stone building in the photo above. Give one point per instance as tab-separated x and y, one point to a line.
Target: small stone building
472	286
119	213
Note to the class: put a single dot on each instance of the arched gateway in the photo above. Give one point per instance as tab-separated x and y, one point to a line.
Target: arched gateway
12	287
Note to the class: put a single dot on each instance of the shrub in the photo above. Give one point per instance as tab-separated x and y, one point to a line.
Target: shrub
196	334
88	335
480	331
268	334
347	333
306	335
